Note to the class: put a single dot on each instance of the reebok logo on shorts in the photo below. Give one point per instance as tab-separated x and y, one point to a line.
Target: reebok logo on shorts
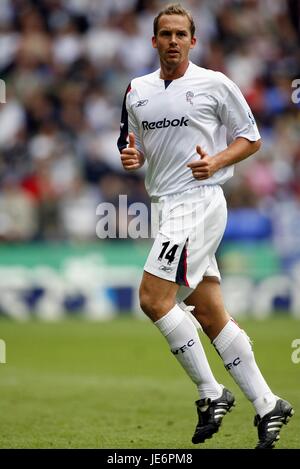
165	268
165	123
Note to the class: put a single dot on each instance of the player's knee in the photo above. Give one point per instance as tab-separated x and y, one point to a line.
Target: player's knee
145	303
152	306
205	319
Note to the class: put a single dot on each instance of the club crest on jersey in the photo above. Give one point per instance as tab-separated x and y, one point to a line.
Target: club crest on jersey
189	96
142	102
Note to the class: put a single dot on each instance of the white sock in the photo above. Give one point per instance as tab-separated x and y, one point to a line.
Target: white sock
234	347
185	344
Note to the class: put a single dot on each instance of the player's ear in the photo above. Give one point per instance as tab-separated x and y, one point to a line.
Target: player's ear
193	42
154	43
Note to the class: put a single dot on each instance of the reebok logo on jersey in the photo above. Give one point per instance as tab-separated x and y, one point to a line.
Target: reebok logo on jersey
165	123
143	102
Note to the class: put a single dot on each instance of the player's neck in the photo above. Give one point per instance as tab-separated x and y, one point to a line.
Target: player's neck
171	73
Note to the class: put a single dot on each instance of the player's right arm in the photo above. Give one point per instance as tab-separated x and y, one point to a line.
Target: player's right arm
131	156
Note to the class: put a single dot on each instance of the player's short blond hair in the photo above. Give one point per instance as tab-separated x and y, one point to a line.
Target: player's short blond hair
174	9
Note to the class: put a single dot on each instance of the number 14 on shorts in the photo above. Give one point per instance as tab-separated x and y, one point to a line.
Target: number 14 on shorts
169	255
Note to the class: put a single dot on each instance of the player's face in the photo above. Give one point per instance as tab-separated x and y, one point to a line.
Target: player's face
173	40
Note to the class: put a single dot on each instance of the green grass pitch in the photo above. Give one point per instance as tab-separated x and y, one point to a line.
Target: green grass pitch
77	384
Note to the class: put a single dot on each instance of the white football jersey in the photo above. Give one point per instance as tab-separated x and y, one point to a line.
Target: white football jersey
170	118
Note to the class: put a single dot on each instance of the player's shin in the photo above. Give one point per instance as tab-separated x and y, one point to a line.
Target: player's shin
184	341
233	345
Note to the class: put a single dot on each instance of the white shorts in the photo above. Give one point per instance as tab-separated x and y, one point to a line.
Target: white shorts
191	226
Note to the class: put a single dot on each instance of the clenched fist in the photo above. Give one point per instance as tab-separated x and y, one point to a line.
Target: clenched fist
131	158
203	168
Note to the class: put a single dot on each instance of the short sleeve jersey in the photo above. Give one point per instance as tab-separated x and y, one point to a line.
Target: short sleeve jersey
169	119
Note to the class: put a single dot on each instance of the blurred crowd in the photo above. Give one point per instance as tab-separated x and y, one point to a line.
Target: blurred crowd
66	65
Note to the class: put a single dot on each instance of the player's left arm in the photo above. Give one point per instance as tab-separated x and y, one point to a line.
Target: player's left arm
240	149
236	116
